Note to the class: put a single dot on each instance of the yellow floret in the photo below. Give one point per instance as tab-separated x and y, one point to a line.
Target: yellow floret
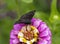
33	27
24	40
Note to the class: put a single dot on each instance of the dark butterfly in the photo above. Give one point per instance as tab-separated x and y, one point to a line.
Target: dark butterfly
26	18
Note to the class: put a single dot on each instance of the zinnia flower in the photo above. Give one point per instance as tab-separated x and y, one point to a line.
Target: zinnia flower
28	30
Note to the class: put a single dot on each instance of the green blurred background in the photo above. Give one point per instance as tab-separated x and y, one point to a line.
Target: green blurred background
46	10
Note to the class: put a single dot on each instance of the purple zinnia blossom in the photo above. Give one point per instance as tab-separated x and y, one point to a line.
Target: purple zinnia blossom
44	36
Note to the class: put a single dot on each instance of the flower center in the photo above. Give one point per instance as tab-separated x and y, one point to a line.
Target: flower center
28	34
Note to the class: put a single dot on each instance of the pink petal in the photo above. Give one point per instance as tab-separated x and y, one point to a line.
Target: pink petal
33	20
42	27
14	33
46	38
44	33
49	42
37	23
18	26
42	41
14	41
11	42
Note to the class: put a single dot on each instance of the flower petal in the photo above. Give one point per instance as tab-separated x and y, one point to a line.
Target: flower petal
18	26
11	41
12	35
33	20
42	41
46	38
14	41
42	27
49	42
37	23
44	33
